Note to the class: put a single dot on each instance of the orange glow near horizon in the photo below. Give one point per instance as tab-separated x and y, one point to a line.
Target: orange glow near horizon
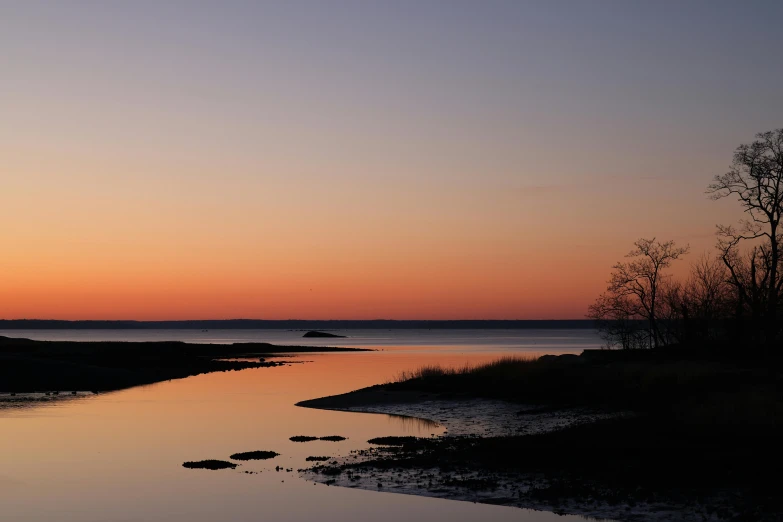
85	246
479	290
424	285
223	169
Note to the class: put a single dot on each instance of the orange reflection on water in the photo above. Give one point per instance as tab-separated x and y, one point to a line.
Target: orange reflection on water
118	456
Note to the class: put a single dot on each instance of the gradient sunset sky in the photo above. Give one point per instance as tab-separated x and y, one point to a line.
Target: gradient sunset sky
420	160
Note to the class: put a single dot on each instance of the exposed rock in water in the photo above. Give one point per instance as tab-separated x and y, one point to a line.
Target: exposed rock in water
254	455
302	438
314	333
317	459
209	464
307	438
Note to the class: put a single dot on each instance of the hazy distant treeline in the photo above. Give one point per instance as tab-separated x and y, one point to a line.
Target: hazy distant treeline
293	324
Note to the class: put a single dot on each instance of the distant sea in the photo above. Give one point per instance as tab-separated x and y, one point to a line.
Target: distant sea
441	340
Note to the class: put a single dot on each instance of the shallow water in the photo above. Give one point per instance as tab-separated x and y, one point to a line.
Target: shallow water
118	456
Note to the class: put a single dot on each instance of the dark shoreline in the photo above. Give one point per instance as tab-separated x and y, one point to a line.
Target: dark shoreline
700	445
41	366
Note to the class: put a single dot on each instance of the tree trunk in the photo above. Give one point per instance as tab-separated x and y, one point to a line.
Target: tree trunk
772	295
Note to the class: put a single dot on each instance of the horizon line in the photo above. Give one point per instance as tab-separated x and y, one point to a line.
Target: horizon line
237	319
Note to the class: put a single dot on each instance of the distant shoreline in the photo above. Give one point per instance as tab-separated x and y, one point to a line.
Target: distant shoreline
299	324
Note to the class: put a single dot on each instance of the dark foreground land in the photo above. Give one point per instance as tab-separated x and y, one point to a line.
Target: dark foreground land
30	366
702	441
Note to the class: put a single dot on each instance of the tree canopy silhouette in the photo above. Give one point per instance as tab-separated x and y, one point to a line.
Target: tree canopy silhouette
755	179
633	294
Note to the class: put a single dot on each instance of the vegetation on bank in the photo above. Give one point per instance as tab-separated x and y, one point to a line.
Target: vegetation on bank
501	365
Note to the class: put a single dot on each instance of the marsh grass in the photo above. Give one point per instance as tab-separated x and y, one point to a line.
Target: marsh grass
499	367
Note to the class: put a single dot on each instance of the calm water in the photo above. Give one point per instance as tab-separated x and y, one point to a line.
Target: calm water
118	456
544	341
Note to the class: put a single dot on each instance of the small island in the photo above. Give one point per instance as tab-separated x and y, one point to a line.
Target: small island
315	333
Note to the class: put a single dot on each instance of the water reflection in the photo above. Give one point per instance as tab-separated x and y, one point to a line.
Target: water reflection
415	425
39	399
93	457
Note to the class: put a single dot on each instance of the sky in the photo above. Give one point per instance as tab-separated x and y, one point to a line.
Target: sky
360	160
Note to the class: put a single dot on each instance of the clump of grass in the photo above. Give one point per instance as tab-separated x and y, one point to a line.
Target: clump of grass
423	372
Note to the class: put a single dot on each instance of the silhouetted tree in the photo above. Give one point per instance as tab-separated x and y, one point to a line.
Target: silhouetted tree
618	322
634	288
707	289
750	276
697	309
756	180
673	312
